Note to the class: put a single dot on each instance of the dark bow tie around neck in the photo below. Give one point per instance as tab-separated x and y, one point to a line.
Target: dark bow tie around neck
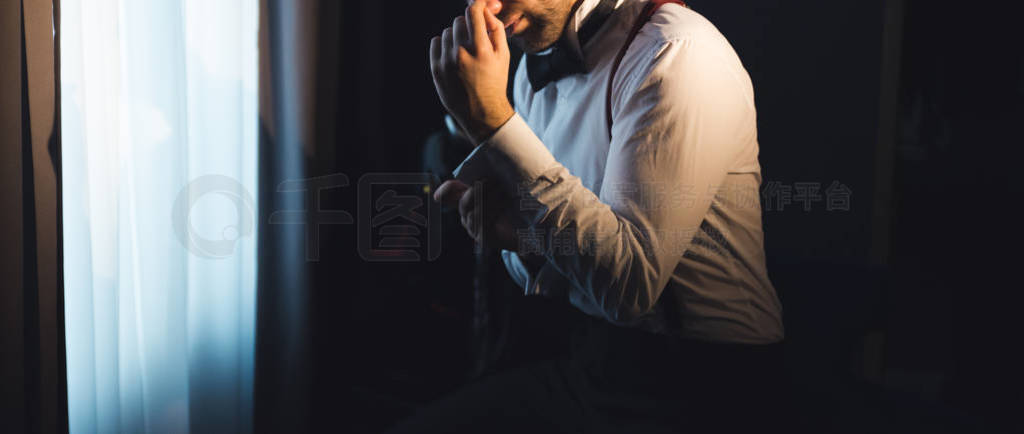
562	60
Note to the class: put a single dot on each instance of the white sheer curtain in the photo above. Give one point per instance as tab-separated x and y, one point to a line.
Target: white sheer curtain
159	128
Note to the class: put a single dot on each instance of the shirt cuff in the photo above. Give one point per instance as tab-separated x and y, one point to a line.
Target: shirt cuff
517	269
529	271
513	154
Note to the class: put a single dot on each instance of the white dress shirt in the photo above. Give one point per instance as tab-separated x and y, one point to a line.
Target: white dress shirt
660	227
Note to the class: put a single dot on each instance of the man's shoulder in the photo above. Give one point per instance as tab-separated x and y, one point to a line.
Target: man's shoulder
678	49
673	22
677	30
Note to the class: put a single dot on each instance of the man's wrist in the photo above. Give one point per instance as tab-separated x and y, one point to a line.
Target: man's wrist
490	123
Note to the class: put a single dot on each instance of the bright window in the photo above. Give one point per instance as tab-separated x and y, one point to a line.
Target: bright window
159	129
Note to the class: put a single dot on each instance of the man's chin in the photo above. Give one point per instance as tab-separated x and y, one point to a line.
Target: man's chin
529	47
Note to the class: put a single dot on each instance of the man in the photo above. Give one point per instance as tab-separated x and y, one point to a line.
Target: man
635	200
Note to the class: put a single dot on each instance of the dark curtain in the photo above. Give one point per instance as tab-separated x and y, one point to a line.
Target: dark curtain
298	82
33	383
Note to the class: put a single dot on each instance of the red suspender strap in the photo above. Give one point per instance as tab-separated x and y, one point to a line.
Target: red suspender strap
645	15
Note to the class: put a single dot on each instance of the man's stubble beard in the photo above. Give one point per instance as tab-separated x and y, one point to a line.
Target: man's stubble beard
546	26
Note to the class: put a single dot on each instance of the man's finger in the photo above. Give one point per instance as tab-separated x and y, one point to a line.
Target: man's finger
460	34
446	46
435	48
435	64
471	211
491	5
468	202
469	221
435	55
496	34
450	192
478	24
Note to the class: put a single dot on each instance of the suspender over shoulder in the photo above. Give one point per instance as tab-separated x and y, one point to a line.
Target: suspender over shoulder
645	15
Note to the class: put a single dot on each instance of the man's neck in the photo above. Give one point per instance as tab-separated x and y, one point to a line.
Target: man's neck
580	12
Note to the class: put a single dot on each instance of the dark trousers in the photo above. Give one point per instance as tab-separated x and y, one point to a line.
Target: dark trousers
620	380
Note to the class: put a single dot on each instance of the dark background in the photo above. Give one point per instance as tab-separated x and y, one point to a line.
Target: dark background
901	311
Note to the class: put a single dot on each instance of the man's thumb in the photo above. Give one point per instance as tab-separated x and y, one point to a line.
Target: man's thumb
496	31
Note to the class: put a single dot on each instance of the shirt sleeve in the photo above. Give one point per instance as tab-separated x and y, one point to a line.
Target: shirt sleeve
680	115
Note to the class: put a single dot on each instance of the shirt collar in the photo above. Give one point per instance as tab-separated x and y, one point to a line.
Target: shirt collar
576	22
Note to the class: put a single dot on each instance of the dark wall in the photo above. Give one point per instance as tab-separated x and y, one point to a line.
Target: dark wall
816	70
955	313
387	335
